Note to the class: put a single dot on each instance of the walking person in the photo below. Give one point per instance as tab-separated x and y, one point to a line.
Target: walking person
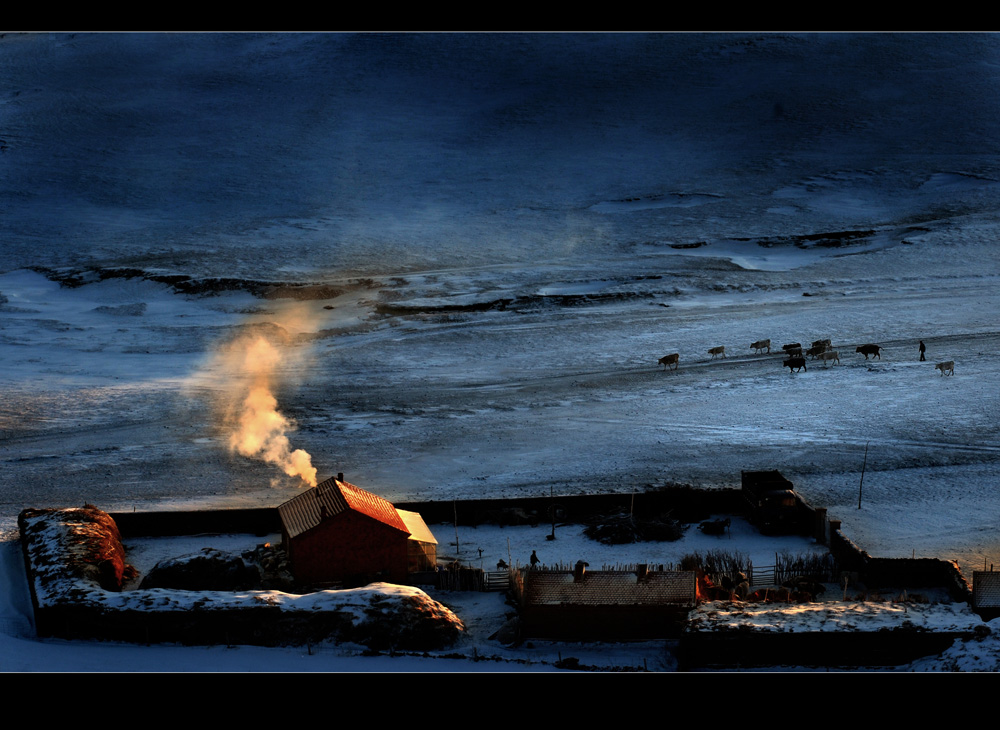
923	349
534	559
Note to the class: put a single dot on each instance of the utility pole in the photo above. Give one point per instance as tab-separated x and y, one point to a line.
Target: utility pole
552	511
863	465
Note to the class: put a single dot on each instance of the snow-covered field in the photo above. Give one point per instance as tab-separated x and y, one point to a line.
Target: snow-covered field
503	234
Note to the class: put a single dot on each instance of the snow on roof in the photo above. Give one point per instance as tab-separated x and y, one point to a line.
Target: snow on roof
832	616
305	511
416	526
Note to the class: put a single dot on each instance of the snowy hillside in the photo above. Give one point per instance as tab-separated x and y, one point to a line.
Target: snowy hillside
450	263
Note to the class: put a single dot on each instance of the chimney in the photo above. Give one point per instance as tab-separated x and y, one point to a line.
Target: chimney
340	476
579	571
641	571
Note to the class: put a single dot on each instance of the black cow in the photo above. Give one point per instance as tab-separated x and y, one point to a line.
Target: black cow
867	350
714	527
795	364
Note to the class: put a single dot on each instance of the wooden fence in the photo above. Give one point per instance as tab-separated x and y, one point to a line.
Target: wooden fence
462	579
496	581
764	575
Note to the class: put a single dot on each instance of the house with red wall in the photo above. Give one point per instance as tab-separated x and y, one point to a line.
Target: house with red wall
337	533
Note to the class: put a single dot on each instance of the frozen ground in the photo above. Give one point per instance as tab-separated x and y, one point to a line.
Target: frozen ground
504	234
504	403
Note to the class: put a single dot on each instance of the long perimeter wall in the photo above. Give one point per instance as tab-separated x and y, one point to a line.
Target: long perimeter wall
683	503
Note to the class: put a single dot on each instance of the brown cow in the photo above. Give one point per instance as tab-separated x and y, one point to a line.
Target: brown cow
867	350
717	351
946	368
761	345
670	360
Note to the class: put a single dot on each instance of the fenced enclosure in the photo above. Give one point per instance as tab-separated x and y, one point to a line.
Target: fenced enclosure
627	584
726	567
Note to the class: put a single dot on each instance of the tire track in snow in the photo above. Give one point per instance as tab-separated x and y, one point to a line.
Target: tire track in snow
773	436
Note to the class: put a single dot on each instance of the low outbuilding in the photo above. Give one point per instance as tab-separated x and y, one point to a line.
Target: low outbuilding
338	533
605	605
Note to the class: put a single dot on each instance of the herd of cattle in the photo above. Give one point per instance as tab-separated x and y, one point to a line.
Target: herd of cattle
796	362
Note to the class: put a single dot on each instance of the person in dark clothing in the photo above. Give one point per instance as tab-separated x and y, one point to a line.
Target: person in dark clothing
534	559
923	349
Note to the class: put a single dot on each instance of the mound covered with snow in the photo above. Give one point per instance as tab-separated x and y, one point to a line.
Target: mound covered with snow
981	653
826	634
208	569
833	617
74	545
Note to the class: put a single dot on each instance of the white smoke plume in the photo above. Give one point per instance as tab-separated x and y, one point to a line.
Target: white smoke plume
260	427
250	370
